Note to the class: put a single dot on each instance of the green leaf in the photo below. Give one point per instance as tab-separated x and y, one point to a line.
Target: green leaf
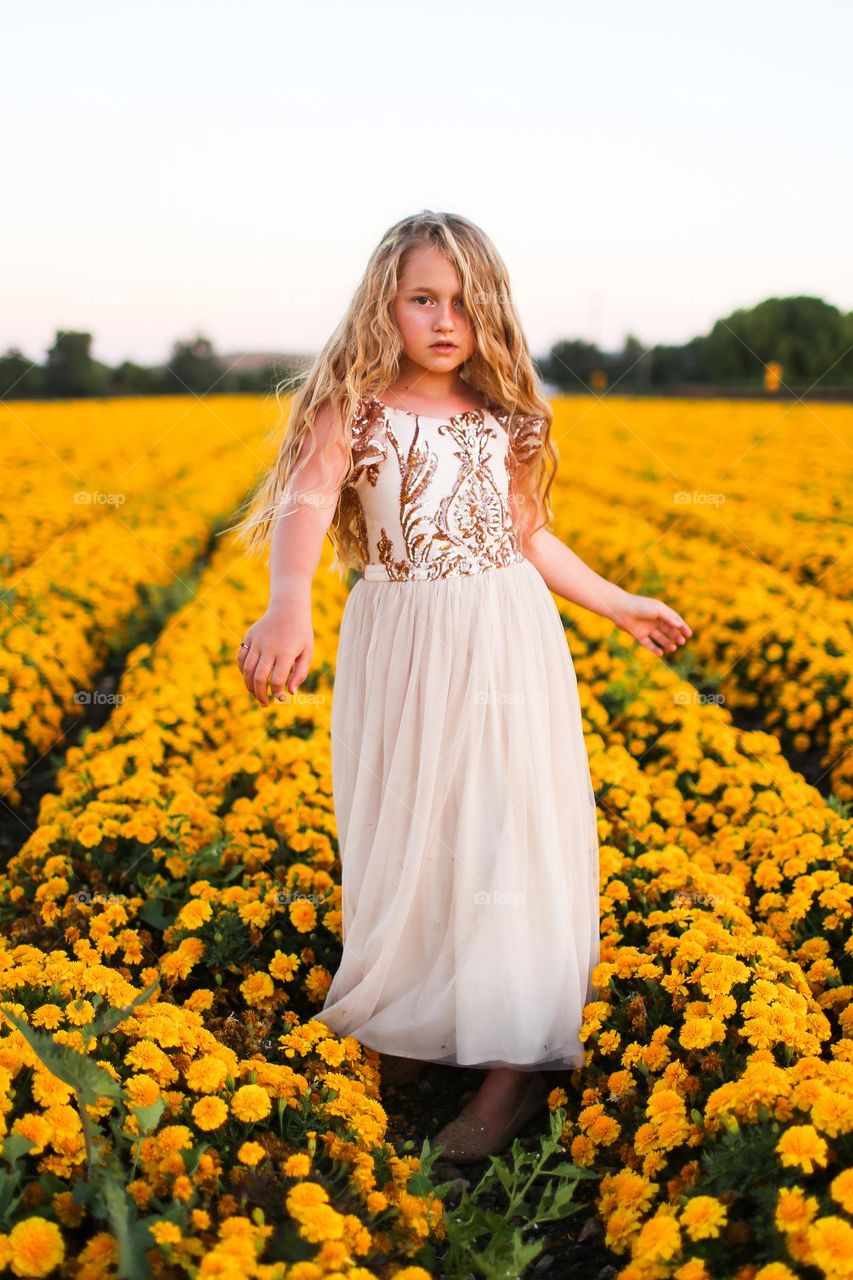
131	1239
15	1145
75	1069
149	1117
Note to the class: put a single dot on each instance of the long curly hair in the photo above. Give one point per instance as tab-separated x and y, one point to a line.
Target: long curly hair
361	359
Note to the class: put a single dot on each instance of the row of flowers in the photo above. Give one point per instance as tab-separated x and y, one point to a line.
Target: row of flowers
759	644
762	479
82	596
69	464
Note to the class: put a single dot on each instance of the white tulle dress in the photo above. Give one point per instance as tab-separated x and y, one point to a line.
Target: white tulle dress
464	804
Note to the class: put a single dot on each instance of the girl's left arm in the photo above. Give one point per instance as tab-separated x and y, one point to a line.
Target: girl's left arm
648	620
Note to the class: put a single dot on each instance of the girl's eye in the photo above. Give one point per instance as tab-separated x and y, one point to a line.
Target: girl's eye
421	297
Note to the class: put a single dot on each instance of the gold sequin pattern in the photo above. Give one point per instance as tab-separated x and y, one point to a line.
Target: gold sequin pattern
433	493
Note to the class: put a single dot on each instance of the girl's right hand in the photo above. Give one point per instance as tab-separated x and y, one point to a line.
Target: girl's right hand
280	640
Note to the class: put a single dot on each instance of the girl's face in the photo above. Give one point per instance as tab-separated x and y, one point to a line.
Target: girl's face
428	310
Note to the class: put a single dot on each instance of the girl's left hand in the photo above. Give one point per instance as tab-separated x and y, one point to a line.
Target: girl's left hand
651	622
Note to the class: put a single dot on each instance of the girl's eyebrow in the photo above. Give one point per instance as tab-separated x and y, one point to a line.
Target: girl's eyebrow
422	288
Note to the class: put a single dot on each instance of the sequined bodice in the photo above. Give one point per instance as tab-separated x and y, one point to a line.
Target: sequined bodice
433	493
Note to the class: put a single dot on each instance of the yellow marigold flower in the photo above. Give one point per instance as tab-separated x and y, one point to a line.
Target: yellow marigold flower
603	1130
65	1124
702	1217
658	1239
49	1016
89	835
258	914
317	982
251	1153
303	915
297	1166
412	1273
166	1232
794	1210
257	988
319	1223
331	1051
282	967
141	1090
251	1103
207	1074
831	1242
802	1147
35	1247
80	1012
698	1033
304	1195
67	1210
376	1201
833	1114
621	1226
209	1113
841	1189
664	1102
34	1126
582	1151
175	1137
194	914
178	964
695	1269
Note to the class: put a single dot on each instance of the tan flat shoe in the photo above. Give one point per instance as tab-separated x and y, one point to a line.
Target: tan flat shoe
397	1071
468	1138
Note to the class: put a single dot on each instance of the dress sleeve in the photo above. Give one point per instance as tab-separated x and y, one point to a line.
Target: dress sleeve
526	437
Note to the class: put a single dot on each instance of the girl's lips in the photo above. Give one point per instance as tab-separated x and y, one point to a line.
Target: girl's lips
444	346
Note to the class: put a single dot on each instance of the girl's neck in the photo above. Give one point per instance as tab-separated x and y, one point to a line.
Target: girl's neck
427	392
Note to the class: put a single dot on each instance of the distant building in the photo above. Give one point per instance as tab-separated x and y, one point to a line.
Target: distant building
255	361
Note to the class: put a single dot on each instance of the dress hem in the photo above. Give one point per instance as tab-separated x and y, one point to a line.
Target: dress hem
451	1060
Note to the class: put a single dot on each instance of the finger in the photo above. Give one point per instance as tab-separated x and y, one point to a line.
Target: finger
260	681
278	679
669	616
250	661
242	655
672	632
661	638
649	644
301	668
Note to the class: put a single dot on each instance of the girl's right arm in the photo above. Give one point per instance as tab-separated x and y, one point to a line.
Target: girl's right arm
283	638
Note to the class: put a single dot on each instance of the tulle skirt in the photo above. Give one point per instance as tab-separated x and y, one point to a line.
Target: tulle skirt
466	824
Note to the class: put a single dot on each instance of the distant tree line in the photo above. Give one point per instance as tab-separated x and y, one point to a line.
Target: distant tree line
811	340
71	370
808	339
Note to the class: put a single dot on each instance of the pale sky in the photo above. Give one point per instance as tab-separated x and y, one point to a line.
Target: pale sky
182	165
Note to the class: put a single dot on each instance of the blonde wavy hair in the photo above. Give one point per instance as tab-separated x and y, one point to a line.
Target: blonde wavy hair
362	359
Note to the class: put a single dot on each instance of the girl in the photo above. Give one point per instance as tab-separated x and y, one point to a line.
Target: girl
421	443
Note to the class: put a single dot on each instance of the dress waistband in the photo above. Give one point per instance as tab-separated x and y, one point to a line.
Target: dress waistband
426	573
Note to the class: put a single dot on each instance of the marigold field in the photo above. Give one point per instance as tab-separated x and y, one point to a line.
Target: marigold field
172	1104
